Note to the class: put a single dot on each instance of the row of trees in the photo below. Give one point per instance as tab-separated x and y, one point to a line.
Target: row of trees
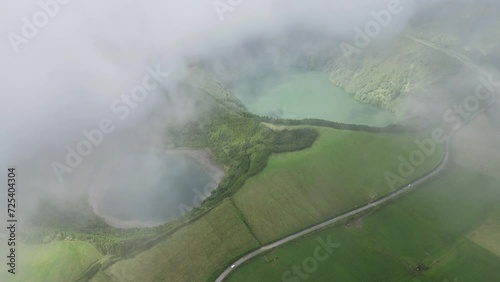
336	125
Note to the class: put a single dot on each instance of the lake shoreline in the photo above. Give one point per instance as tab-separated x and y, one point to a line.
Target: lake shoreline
203	157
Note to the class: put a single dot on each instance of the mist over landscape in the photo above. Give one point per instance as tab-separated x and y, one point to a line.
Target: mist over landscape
62	90
143	131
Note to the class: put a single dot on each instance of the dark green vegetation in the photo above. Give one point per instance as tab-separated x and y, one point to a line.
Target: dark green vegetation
428	227
337	125
239	142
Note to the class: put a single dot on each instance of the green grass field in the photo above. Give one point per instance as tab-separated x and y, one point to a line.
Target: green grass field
428	226
488	234
341	170
60	261
191	254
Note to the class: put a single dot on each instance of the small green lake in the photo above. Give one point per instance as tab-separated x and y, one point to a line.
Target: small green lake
299	95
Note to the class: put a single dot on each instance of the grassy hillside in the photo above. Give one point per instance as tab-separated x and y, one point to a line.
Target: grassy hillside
428	227
488	234
298	189
192	253
59	261
386	77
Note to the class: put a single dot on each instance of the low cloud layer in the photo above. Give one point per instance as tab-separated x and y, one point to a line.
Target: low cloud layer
87	54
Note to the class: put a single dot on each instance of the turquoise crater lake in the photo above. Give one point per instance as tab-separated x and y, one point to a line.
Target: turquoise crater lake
299	95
